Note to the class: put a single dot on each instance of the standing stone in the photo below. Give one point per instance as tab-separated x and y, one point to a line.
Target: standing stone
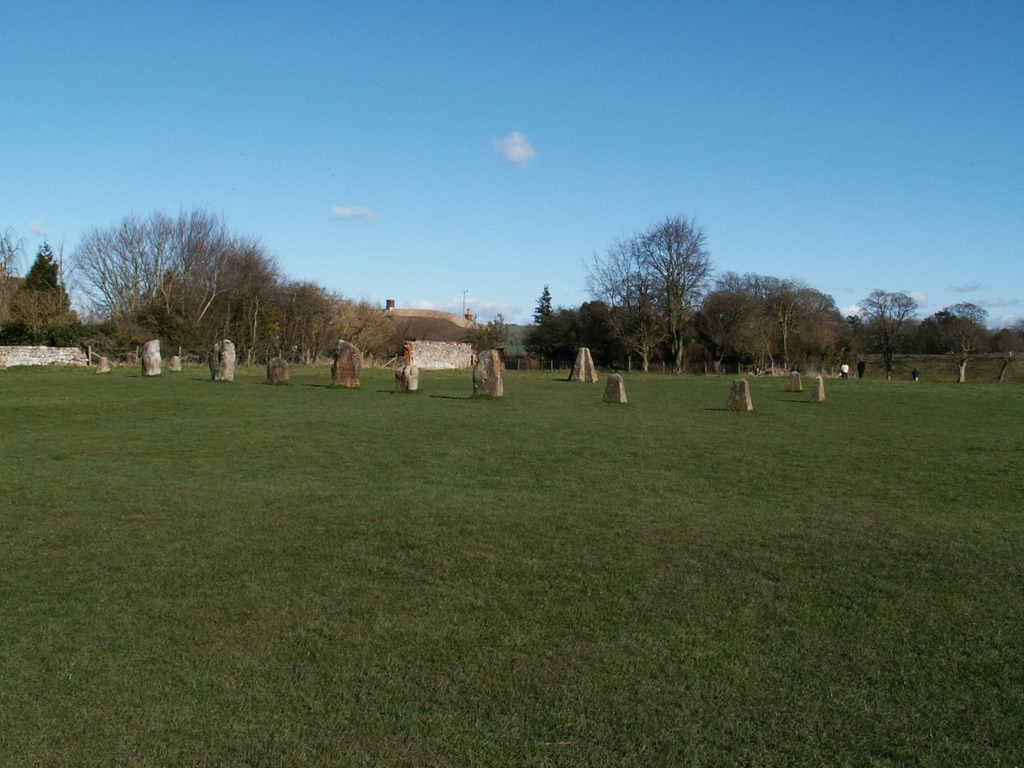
277	371
584	369
407	379
739	397
222	361
347	366
174	364
103	366
794	385
615	389
487	375
151	358
818	390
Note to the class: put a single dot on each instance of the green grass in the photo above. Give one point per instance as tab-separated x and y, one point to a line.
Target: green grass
235	573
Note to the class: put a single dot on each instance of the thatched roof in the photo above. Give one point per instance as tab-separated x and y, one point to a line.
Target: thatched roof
429	325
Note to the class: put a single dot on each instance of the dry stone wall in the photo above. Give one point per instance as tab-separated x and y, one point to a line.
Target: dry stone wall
12	356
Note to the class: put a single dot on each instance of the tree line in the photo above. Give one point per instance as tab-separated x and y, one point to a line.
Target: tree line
188	280
655	299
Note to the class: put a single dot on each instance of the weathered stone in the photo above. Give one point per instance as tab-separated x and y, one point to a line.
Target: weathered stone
407	379
277	371
487	375
615	389
739	397
584	369
222	361
818	390
174	364
347	366
794	384
103	366
151	358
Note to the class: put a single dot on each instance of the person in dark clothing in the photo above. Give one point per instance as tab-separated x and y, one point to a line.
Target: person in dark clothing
861	365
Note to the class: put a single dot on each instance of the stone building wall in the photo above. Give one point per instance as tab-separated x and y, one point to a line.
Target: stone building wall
437	355
11	356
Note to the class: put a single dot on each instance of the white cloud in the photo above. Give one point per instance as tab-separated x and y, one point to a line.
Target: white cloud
515	149
38	228
851	309
352	214
967	287
920	297
993	301
1005	321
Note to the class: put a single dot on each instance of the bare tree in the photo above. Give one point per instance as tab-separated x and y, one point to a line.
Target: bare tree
621	281
307	328
964	326
11	250
119	269
886	315
674	257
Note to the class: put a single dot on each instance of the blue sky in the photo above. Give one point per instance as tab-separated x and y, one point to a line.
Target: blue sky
417	150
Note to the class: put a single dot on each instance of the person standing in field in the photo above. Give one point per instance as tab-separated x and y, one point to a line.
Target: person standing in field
844	371
861	365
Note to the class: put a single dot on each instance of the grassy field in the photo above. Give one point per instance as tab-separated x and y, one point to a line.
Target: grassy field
241	574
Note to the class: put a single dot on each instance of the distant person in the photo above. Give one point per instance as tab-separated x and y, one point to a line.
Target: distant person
916	374
861	365
844	371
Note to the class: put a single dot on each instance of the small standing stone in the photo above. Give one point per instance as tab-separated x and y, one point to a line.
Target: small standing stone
615	389
794	385
407	379
222	361
347	366
584	369
174	364
277	371
818	391
151	358
103	366
739	397
487	375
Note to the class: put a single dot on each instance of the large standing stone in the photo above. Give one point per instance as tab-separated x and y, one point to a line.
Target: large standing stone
584	369
487	375
277	371
615	389
794	384
818	390
407	379
739	397
222	361
103	366
175	364
347	366
151	358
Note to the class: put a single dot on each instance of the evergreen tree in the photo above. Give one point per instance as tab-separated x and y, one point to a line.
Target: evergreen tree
41	309
45	272
543	310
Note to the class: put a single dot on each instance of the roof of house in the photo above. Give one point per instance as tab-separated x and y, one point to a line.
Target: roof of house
430	325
